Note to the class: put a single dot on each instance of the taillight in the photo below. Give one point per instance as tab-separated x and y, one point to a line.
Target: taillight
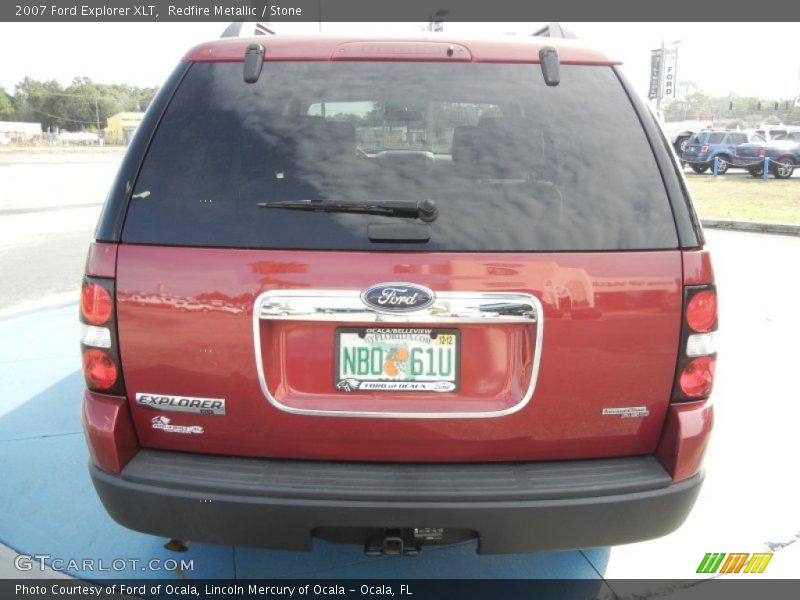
704	149
698	353
762	152
697	377
701	311
99	347
99	369
96	303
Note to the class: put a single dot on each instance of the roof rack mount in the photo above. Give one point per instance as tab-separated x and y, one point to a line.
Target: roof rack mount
554	30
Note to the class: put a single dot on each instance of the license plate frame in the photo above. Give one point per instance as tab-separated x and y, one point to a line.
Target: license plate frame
405	337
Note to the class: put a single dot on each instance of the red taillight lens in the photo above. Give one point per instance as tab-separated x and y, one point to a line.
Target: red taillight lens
697	377
694	376
703	148
96	304
762	152
701	311
99	369
99	345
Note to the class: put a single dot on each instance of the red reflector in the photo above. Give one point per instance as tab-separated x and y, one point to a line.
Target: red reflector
95	304
701	312
99	370
697	377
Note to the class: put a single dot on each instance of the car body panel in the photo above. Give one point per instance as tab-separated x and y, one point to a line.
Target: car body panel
323	48
611	323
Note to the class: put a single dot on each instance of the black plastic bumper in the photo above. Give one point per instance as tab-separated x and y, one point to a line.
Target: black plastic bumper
511	507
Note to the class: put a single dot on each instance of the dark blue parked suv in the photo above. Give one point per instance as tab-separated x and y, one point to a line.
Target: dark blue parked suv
784	156
703	147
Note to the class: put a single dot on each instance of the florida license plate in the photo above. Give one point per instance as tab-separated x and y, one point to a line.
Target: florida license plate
397	360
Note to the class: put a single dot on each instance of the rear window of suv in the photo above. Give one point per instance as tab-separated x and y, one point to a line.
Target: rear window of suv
511	164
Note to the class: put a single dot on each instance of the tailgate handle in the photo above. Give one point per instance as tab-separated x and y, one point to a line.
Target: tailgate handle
448	307
510	308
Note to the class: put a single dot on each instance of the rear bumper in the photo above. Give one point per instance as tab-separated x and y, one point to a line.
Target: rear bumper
511	508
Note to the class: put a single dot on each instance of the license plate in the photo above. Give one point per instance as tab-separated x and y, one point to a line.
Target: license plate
374	359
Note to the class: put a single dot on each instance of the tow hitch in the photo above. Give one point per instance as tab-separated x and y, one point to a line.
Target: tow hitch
175	545
395	542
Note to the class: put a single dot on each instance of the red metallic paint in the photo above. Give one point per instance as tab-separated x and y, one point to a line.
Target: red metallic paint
503	49
101	261
697	267
611	329
685	438
109	431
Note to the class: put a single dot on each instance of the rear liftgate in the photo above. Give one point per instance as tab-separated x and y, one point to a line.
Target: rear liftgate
400	349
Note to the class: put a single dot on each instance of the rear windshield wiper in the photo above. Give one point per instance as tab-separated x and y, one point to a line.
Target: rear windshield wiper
424	210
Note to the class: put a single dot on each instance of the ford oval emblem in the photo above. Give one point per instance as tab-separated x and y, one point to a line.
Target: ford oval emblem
397	297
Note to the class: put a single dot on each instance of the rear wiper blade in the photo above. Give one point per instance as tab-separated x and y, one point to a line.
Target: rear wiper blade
424	210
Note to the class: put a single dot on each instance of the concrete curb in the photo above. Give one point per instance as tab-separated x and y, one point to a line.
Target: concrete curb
752	226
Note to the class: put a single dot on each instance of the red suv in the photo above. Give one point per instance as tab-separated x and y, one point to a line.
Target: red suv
398	292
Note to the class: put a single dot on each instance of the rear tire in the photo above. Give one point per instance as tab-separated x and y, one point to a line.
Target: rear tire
785	171
700	168
723	164
680	144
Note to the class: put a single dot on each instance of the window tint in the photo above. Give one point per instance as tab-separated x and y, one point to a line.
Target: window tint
715	138
510	163
737	138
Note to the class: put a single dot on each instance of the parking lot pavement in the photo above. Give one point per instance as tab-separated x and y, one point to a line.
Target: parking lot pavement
748	503
49	206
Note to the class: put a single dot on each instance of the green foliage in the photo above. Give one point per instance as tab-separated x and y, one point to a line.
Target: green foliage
78	106
744	111
7	112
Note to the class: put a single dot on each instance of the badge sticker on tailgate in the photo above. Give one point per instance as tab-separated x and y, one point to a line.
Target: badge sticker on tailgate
197	406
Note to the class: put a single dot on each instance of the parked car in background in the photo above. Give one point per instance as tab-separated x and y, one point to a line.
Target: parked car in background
784	156
776	133
703	147
680	132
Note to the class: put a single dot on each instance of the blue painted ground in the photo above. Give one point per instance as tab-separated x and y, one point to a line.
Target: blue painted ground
49	506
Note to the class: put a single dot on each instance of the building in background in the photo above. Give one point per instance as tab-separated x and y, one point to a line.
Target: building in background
21	133
121	127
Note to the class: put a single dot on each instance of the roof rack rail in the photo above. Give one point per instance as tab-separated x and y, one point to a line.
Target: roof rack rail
554	30
235	29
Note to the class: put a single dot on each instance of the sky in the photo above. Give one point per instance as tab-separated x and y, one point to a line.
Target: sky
758	59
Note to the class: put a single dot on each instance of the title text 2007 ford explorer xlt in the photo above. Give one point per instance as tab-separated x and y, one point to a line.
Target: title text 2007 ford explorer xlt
398	292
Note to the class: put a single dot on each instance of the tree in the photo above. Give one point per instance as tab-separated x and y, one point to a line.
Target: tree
82	105
7	111
731	109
